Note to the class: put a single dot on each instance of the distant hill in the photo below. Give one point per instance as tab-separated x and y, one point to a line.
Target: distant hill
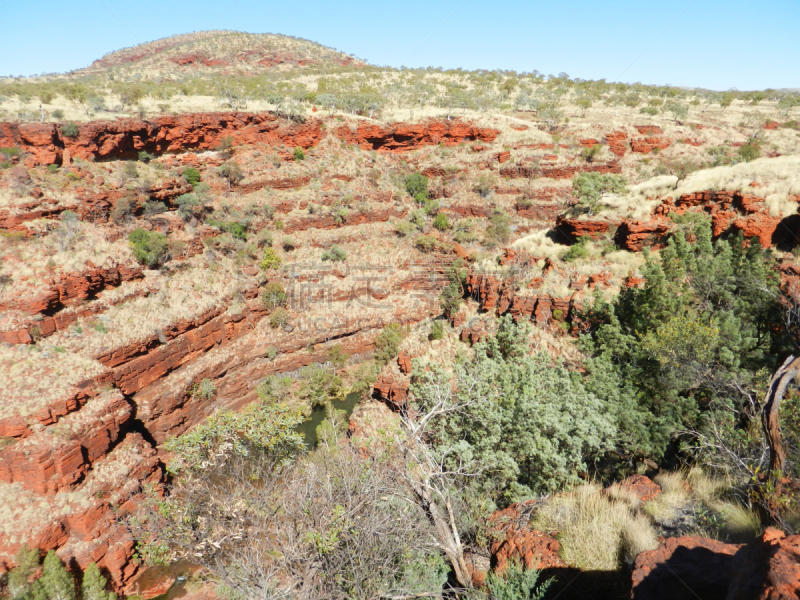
208	52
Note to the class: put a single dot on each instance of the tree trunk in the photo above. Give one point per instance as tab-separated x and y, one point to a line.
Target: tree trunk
770	414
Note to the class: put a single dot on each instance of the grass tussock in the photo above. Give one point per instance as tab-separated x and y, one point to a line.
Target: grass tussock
597	530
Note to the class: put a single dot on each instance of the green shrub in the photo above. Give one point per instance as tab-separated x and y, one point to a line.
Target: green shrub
145	157
189	205
149	247
387	344
205	390
499	230
539	424
426	243
130	170
271	260
191	175
335	254
94	585
271	352
122	211
649	110
273	295
576	251
231	171
236	229
485	186
440	222
437	330
591	153
52	168
749	151
278	318
70	130
416	184
516	583
58	114
421	198
10	152
299	154
591	187
153	207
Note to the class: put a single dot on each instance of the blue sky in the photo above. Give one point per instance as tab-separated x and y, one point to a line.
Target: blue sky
706	43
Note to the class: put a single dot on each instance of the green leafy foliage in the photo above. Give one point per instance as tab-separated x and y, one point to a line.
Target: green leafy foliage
149	247
387	344
499	230
334	254
577	250
279	317
263	426
591	187
299	154
70	130
538	421
687	351
440	222
56	581
273	295
191	175
94	585
271	260
749	151
516	583
417	184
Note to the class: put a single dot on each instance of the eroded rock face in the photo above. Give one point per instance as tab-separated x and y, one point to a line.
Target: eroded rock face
684	568
695	567
767	569
399	137
125	138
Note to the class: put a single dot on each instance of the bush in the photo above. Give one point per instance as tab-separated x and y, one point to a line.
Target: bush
576	251
440	222
130	170
191	175
416	184
426	243
591	153
153	208
231	171
205	390
58	114
485	186
499	230
591	187
749	151
437	330
539	424
273	295
335	254
145	157
279	317
10	152
189	205
236	229
149	247
70	130
649	110
387	344
299	154
271	260
516	583
122	211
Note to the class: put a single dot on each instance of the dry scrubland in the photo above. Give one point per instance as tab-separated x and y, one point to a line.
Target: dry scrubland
263	258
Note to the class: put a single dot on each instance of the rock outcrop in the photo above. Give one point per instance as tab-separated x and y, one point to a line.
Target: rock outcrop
398	137
124	139
694	567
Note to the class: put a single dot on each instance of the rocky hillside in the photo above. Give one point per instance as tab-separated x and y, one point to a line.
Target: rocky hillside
207	52
157	267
